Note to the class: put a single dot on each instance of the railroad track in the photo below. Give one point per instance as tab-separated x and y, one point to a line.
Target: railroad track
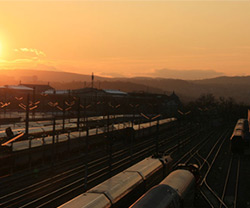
211	197
66	163
191	154
35	195
94	176
230	191
206	161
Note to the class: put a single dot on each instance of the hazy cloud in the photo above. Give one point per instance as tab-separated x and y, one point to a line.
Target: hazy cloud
28	63
186	74
31	50
23	60
111	74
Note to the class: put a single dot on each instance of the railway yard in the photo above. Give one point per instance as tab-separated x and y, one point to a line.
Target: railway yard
60	162
125	104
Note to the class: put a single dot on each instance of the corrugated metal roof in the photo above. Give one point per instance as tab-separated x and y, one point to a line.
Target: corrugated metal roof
56	92
17	87
118	92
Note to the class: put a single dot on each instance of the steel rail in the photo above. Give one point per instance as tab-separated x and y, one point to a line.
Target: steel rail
237	184
226	180
54	181
204	180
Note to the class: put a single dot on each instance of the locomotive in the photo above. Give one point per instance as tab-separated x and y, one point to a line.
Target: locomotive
239	140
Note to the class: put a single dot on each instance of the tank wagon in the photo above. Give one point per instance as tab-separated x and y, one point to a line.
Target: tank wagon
124	188
175	191
239	140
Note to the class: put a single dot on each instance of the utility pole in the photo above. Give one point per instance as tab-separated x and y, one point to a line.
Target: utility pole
78	113
27	115
92	80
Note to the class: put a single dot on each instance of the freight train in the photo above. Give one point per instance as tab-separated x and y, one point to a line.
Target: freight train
124	188
33	152
239	140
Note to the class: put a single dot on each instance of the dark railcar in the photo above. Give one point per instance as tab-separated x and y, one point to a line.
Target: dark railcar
175	191
239	140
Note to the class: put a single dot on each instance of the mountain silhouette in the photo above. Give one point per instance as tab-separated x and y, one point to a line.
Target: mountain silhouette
237	87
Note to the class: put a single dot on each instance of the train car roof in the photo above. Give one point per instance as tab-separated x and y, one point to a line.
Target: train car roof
146	167
180	180
242	120
158	197
118	186
237	133
88	200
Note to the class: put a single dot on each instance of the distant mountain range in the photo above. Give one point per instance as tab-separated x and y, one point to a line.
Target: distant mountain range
235	87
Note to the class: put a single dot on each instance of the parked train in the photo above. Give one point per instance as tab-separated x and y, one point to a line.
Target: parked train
48	139
33	152
19	156
45	127
239	140
124	188
175	191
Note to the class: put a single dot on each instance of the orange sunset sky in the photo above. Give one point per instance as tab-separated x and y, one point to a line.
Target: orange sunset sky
126	38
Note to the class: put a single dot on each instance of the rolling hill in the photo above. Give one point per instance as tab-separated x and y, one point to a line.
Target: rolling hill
235	87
